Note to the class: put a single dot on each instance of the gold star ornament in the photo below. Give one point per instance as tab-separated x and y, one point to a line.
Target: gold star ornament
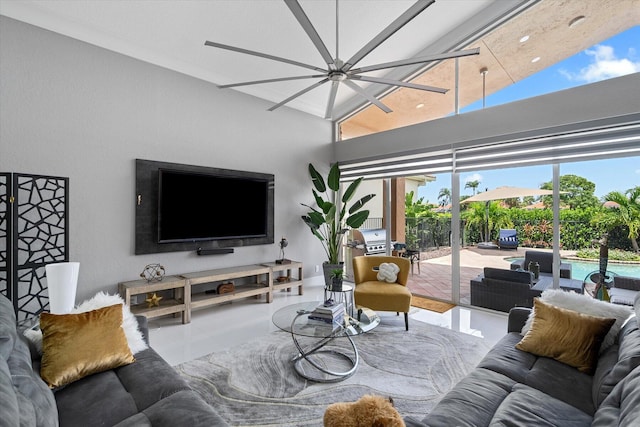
153	300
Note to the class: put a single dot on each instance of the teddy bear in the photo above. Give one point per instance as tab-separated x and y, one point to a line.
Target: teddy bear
368	411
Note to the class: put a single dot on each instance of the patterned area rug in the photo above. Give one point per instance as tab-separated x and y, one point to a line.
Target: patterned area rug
255	384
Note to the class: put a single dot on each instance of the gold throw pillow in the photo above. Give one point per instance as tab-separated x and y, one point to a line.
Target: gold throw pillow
77	345
565	335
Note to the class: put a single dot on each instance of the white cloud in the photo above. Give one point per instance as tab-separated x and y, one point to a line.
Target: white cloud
474	177
637	171
605	65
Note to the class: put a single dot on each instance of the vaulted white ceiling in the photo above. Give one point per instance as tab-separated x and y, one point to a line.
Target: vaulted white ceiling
171	34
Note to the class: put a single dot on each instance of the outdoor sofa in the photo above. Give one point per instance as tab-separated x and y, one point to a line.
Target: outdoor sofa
545	260
501	289
147	392
511	387
624	289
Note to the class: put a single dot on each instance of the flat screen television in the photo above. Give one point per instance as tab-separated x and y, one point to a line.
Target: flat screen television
199	206
187	207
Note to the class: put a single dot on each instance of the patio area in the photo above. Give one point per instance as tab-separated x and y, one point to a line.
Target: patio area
434	279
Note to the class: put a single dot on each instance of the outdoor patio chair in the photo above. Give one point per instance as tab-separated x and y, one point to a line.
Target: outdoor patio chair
624	290
378	295
508	239
545	260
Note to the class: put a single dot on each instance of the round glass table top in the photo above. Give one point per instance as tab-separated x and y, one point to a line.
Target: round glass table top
295	319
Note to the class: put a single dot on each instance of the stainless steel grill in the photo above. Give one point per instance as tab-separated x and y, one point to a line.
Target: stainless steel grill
364	242
368	242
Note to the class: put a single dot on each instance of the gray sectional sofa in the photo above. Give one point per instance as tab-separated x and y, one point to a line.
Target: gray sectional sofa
510	387
147	392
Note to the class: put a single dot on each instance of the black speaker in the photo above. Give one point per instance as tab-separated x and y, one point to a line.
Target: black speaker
217	251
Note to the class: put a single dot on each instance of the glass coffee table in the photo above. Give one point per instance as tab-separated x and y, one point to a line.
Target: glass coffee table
318	359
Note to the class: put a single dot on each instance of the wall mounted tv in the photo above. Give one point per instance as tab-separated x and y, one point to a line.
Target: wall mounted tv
185	207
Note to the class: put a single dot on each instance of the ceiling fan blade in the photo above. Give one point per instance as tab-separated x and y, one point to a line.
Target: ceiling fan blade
281	79
297	94
417	60
371	98
400	22
263	55
399	83
332	99
304	21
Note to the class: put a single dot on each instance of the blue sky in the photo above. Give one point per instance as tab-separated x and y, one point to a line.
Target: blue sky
617	56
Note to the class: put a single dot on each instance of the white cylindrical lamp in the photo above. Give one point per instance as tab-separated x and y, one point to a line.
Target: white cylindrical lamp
62	282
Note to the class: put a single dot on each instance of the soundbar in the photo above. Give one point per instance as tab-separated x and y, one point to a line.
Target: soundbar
217	251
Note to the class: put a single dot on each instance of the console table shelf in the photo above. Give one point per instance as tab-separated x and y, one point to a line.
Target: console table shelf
259	286
260	277
294	281
180	303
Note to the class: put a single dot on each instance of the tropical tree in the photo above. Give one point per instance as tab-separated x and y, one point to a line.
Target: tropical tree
628	210
577	192
417	209
528	200
512	202
473	185
414	212
477	217
444	196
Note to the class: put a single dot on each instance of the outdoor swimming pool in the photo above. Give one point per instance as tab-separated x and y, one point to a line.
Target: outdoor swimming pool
580	269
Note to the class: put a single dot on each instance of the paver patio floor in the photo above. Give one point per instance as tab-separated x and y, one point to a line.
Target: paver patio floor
434	279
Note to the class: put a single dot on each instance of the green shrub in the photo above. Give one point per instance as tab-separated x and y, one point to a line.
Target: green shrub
614	255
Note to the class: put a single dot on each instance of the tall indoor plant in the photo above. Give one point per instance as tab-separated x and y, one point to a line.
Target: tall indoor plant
333	217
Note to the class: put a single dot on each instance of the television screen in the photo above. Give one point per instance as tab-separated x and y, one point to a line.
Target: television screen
196	206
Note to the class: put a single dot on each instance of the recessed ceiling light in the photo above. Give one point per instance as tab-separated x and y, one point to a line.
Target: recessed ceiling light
524	39
419	105
536	59
576	21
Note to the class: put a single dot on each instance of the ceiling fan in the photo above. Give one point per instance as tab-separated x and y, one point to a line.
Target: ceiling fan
338	71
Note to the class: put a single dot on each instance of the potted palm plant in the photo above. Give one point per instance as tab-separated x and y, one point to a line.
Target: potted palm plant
333	216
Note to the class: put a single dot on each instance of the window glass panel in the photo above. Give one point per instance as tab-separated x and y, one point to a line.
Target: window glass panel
544	49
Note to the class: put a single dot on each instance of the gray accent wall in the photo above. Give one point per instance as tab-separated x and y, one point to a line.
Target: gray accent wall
68	108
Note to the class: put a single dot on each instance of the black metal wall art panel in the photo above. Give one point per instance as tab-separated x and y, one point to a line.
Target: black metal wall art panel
5	235
40	236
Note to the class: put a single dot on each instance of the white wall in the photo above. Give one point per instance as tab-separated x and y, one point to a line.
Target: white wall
375	205
72	109
376	186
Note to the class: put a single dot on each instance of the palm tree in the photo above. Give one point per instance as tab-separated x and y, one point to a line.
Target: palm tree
445	195
629	211
487	217
473	185
475	217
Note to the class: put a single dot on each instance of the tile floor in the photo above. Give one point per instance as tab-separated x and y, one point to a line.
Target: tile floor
223	326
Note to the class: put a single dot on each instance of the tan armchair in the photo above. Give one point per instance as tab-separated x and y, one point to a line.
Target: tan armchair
382	296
